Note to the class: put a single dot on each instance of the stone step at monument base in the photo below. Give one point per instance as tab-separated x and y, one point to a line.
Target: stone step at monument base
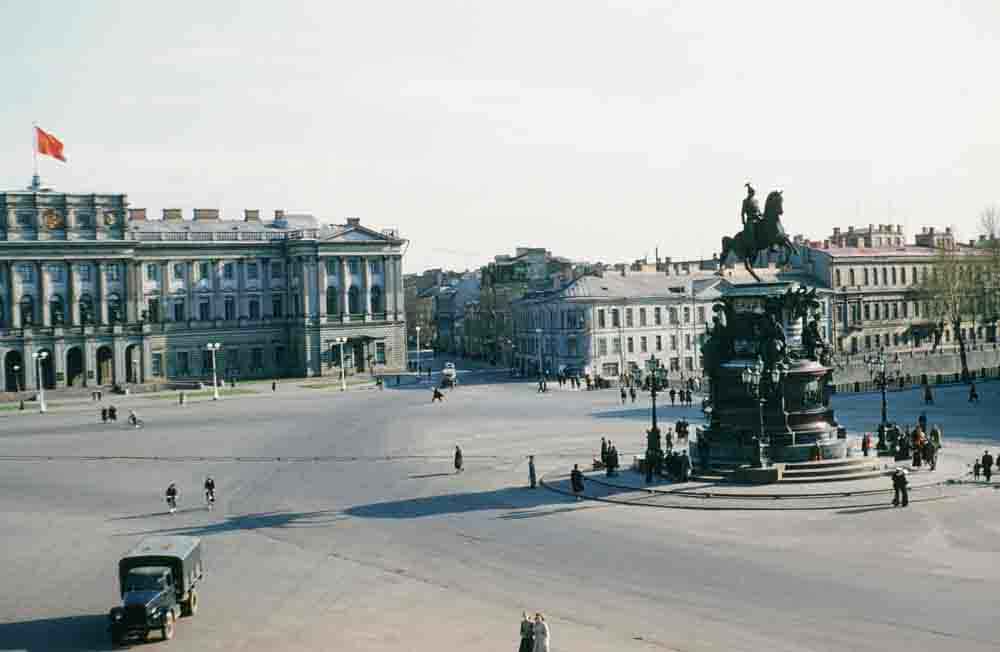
837	470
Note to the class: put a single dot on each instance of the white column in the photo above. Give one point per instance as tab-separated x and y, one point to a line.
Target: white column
265	287
74	294
189	274
241	290
366	278
217	307
345	284
102	293
165	299
14	292
322	282
43	291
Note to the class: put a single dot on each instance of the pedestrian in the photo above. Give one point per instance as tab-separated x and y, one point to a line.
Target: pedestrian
936	436
607	463
631	393
931	454
113	413
458	459
613	455
527	634
685	466
104	415
531	471
624	394
180	398
541	634
274	385
928	395
673	395
900	487
576	481
604	451
973	394
987	462
866	443
922	421
976	468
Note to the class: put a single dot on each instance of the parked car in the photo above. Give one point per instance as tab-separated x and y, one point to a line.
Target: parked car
158	582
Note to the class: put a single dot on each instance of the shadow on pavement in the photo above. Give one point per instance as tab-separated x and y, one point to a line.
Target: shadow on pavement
509	498
258	521
66	634
431	475
862	510
134	517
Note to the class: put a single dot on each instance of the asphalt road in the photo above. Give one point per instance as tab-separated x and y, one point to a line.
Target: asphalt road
361	537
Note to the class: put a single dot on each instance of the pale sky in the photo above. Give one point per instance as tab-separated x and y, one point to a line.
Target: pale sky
596	129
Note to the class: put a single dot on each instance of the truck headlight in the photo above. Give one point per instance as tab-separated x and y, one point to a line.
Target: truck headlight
117	615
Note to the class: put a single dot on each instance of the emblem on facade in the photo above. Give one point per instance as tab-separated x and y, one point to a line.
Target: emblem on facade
54	220
109	218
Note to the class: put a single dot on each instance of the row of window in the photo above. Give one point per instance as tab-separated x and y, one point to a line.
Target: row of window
876	310
57	310
675	315
205	271
875	276
26	272
644	342
229	363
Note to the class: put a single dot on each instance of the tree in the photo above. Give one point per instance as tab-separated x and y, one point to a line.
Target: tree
988	288
962	290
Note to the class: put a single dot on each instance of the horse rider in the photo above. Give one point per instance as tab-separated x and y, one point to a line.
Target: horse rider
750	214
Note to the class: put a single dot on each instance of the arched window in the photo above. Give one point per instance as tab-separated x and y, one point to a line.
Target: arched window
377	299
86	309
353	300
27	310
56	310
115	308
331	301
254	308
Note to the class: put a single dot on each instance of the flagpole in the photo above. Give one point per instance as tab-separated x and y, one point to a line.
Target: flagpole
36	181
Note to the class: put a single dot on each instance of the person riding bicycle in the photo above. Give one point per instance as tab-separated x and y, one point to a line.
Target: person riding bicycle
133	418
209	490
172	496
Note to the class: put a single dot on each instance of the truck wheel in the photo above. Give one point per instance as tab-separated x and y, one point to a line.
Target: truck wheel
168	626
190	606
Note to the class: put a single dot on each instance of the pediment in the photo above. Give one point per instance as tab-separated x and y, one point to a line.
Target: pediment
358	234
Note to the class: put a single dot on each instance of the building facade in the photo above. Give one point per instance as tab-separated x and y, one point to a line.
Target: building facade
111	297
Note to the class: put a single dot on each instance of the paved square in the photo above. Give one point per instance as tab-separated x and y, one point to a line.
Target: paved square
361	537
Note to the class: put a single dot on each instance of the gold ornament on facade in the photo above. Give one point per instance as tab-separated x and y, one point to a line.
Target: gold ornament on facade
54	220
109	218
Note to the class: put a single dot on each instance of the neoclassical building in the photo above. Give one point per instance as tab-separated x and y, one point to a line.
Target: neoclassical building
111	296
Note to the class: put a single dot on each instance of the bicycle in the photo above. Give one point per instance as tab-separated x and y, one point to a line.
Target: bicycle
209	499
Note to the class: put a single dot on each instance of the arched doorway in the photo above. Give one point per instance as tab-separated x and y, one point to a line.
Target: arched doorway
47	369
13	371
74	367
105	365
133	363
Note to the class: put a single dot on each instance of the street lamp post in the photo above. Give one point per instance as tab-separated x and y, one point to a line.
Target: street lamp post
654	452
213	347
752	377
541	374
17	377
418	354
39	356
341	341
880	374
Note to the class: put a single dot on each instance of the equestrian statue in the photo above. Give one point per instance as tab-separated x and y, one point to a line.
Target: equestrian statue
761	232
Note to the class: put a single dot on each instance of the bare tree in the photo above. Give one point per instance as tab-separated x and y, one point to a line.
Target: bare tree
988	286
948	295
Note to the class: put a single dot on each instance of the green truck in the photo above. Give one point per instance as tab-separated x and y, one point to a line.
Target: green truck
158	582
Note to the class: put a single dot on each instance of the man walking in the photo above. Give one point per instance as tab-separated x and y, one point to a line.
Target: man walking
604	451
866	443
900	486
673	396
576	480
987	462
531	471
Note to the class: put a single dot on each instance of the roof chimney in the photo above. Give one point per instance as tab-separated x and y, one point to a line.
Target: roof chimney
251	215
206	214
353	221
137	215
172	214
947	230
836	230
279	213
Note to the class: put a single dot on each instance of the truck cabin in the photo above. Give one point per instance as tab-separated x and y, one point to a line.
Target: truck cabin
147	578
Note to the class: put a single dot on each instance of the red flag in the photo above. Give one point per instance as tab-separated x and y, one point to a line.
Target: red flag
49	145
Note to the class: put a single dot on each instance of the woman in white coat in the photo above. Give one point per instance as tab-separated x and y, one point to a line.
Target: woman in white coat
541	634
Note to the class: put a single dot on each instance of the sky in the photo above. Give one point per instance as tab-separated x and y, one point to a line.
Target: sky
599	130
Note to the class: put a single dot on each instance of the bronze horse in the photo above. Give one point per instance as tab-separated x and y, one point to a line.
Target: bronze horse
767	233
